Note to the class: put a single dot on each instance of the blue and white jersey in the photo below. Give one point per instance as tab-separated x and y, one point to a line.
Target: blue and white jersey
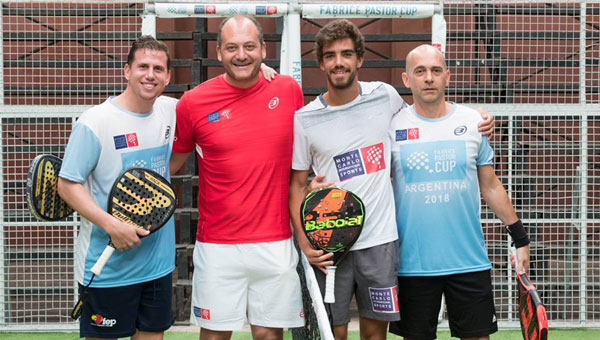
105	141
436	191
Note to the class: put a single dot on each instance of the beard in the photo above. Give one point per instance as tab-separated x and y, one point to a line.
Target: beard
342	85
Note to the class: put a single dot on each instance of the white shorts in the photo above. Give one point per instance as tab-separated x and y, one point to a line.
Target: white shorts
236	284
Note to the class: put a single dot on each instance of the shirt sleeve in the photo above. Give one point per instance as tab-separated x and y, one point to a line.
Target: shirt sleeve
81	155
485	155
301	157
396	101
184	141
299	96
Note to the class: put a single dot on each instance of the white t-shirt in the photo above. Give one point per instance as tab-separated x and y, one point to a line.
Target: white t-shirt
349	145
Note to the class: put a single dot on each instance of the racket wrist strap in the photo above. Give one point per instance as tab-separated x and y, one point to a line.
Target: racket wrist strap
518	234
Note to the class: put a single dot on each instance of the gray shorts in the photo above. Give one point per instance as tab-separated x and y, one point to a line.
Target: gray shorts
371	275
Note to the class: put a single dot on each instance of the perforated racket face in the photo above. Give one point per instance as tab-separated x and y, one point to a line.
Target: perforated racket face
143	198
532	313
332	219
42	194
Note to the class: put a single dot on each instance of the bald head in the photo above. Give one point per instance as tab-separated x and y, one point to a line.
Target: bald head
427	76
245	21
424	52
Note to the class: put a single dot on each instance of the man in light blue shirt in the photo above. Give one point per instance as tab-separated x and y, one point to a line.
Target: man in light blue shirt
440	165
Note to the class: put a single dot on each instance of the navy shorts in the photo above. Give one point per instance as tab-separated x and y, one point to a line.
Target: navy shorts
120	311
469	301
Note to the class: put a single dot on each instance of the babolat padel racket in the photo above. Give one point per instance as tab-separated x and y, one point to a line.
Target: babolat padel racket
332	219
142	198
532	313
41	190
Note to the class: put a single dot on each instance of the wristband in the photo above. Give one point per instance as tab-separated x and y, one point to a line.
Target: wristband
518	234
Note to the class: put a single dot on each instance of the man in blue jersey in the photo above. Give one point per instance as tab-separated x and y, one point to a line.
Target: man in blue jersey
440	164
343	137
132	297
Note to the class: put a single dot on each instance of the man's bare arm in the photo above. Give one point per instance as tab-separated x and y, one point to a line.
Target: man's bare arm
297	191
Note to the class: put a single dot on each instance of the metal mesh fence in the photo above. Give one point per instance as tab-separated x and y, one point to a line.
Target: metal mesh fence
56	57
66	53
533	64
537	62
521	52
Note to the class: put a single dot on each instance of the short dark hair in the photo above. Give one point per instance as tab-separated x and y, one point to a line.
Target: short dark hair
337	30
261	38
150	43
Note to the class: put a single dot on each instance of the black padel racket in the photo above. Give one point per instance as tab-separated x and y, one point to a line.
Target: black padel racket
41	190
332	219
532	313
142	198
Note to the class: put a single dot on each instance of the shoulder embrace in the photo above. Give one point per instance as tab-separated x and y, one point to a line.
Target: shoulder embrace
468	112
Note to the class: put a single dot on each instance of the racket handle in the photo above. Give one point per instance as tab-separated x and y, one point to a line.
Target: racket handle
97	268
330	285
513	251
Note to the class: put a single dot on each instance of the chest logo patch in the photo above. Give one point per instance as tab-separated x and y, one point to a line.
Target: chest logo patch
273	103
213	117
460	130
128	140
361	161
407	134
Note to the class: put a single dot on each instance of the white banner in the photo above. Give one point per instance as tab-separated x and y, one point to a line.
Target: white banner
368	10
149	24
438	32
291	60
182	10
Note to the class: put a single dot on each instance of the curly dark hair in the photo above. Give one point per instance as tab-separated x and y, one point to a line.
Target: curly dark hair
337	30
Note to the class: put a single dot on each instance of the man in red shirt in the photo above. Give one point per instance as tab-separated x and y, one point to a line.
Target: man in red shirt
241	126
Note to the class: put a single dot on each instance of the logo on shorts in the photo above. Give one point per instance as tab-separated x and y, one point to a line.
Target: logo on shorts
101	321
202	313
384	300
